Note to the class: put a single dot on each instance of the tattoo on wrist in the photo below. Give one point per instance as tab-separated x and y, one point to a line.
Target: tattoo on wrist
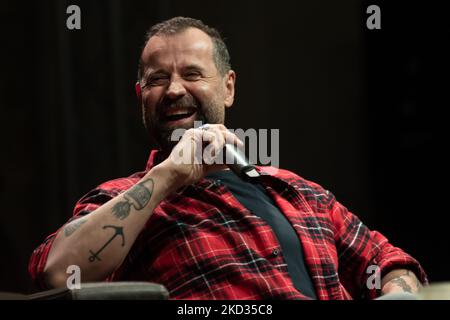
137	197
73	226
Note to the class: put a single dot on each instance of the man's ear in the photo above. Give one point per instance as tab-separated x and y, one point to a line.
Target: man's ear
137	87
230	80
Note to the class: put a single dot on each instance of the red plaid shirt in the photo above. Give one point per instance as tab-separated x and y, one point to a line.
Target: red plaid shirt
201	243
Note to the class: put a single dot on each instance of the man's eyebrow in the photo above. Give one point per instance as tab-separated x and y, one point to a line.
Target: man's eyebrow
193	67
157	71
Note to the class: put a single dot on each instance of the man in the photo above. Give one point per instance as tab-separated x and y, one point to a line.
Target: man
200	230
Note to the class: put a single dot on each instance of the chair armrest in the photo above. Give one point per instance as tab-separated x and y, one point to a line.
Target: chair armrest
106	291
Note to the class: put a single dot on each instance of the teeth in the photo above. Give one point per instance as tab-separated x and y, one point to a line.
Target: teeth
173	116
178	112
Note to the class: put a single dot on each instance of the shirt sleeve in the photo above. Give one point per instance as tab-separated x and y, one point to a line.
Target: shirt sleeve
363	253
85	205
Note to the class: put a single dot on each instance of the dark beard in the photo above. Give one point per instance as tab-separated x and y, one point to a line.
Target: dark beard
156	126
164	136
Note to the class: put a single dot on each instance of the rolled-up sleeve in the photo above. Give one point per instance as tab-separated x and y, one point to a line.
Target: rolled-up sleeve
363	253
85	205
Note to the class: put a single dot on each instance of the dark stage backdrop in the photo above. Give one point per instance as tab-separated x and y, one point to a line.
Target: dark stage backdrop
359	111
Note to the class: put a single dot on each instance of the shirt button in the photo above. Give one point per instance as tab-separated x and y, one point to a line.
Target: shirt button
275	252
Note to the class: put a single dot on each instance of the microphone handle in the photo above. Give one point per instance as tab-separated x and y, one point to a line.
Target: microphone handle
236	161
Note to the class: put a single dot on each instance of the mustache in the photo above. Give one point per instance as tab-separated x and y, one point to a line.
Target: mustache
184	101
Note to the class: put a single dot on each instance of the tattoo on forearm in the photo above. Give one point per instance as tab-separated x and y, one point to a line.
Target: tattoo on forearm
73	226
118	231
137	197
418	285
402	284
411	275
399	280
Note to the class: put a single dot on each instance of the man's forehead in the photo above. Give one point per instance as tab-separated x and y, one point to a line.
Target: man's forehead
191	43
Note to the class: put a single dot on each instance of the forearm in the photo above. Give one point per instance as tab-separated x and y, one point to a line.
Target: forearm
400	280
99	241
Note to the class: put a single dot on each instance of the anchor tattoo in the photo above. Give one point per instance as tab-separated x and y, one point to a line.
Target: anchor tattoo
118	232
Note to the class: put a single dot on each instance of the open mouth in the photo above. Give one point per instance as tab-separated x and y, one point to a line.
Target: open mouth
179	114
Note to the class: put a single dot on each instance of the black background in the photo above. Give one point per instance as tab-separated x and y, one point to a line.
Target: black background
361	112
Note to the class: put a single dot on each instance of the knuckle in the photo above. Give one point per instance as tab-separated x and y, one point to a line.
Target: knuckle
190	131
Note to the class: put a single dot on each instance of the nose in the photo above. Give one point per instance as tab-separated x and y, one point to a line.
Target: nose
175	89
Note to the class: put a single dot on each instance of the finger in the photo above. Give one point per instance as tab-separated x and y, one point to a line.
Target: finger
233	139
213	150
219	137
208	136
229	137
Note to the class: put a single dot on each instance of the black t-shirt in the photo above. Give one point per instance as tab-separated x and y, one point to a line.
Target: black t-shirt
254	197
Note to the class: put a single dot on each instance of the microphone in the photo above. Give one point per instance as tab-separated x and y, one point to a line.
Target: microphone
236	161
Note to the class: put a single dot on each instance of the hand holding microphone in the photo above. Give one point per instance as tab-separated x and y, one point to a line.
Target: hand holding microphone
235	160
207	148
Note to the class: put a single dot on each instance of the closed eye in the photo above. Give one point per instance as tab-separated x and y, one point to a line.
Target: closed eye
157	80
192	76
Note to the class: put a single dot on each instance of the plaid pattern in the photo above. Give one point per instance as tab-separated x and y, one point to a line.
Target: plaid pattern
201	243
